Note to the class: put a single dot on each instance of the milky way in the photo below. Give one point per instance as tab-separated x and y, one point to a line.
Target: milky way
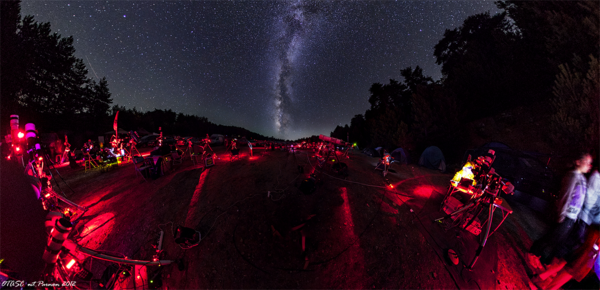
287	69
296	27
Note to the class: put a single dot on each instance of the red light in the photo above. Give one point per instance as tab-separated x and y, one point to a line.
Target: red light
40	159
71	264
138	276
47	195
20	135
391	186
18	149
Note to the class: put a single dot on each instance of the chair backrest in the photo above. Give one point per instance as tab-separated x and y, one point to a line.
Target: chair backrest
137	159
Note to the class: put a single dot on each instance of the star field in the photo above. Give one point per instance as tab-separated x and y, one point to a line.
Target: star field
287	69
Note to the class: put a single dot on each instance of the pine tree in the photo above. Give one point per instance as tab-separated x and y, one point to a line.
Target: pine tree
55	80
576	115
98	99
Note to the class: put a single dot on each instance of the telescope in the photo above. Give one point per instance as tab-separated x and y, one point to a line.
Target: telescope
332	140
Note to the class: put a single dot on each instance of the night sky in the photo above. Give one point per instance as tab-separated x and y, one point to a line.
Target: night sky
287	69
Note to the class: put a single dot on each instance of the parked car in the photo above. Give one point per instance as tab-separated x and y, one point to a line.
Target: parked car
535	183
170	140
183	141
196	140
147	141
216	139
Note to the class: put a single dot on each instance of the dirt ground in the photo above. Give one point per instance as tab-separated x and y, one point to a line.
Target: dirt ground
359	233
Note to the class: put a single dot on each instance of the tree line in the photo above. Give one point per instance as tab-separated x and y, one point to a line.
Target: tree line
45	84
178	124
541	54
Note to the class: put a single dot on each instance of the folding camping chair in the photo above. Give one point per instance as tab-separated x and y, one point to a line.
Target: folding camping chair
176	157
140	166
197	152
89	161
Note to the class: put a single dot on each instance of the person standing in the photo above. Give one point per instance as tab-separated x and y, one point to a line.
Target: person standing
571	198
590	211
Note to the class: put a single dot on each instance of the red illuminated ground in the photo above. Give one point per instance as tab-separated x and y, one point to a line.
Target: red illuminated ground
359	236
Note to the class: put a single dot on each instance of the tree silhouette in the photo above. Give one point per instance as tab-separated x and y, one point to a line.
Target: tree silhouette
10	70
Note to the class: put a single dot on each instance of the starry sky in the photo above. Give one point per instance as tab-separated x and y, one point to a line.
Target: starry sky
287	69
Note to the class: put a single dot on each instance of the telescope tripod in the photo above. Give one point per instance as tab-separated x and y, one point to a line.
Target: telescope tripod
131	154
65	155
466	215
383	166
346	152
329	153
189	152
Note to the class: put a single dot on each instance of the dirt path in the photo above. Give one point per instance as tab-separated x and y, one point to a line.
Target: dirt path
358	232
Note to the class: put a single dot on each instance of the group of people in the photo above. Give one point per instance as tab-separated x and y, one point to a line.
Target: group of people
569	250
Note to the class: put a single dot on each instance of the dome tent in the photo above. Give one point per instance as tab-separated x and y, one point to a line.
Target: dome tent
400	156
433	158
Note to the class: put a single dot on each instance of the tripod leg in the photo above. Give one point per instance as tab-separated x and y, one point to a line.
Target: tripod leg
458	211
473	217
485	236
448	194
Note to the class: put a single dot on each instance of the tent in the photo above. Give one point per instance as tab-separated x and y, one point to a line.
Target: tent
433	158
372	152
400	156
121	132
143	132
497	145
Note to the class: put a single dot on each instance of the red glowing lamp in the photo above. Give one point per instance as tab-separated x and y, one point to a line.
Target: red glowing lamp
18	149
20	135
71	264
